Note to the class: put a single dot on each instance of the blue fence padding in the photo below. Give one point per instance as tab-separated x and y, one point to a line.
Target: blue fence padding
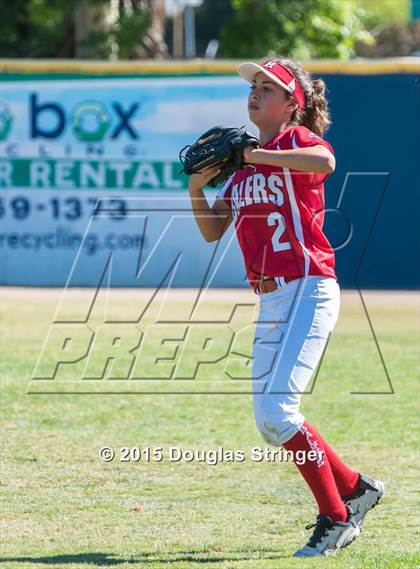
372	203
375	128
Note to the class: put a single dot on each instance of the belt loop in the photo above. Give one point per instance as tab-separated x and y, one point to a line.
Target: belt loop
280	281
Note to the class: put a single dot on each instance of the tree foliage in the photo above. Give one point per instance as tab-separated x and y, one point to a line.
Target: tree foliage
389	23
138	31
246	28
302	29
125	36
209	17
37	28
394	40
48	28
384	12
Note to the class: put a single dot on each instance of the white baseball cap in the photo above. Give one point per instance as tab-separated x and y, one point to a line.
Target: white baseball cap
277	73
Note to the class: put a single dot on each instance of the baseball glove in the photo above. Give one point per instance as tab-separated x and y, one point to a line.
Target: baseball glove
219	144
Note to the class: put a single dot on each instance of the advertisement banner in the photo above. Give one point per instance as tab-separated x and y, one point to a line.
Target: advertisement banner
68	143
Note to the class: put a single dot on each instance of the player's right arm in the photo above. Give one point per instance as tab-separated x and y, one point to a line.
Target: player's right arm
212	221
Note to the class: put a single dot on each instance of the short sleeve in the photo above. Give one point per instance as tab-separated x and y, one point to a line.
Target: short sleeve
302	137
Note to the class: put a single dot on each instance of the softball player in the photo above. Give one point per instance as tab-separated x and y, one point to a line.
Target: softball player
277	206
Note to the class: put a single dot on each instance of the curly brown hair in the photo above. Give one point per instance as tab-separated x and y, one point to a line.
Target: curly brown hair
315	115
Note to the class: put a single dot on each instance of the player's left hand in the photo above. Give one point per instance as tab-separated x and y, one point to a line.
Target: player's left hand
201	179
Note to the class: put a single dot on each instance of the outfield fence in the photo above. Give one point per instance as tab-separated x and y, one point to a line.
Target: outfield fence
90	180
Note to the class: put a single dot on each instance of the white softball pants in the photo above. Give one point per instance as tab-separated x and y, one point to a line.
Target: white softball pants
293	328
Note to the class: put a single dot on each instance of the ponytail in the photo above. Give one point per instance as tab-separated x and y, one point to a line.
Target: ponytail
315	115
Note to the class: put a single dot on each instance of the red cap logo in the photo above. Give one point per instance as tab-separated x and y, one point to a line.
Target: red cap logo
286	79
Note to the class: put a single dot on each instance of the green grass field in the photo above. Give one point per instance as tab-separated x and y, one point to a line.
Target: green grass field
64	507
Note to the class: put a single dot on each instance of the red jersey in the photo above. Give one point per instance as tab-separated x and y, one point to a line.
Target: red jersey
279	215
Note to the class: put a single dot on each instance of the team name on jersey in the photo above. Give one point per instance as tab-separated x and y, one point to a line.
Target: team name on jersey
256	189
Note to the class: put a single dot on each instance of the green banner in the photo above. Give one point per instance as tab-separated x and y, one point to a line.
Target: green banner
87	174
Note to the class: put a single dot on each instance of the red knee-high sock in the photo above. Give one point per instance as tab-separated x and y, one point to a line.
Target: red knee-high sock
317	473
347	480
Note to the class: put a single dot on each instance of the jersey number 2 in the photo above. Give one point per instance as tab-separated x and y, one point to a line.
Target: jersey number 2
276	218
